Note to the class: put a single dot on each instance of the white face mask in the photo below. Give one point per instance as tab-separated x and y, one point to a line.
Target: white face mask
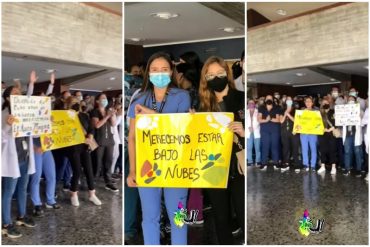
334	94
351	102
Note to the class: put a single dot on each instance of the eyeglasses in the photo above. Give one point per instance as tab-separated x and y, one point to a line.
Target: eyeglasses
210	77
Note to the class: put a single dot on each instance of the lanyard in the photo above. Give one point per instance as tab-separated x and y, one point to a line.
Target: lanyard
154	103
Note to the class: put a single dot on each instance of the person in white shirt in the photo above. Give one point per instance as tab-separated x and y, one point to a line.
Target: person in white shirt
253	135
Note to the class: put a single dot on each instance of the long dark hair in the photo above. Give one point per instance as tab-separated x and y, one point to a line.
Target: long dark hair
6	95
147	85
97	105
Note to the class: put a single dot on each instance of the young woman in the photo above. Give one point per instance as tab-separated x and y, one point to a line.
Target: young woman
44	162
103	120
17	162
217	94
80	155
309	141
269	119
289	140
158	95
253	134
327	142
352	139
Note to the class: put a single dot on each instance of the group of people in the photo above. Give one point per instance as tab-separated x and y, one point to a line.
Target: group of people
24	162
162	85
272	139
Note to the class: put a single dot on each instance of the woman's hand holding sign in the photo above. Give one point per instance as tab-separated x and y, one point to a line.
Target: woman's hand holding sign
131	179
237	127
140	109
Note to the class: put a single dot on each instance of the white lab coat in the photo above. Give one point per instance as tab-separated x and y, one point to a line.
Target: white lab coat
252	122
365	123
358	135
9	157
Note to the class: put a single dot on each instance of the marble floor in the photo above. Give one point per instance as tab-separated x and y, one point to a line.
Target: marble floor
86	225
276	202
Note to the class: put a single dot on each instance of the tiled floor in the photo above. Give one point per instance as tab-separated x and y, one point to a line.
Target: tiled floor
86	225
276	202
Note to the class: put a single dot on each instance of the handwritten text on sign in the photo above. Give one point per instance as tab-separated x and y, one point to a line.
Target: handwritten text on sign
346	115
32	115
66	131
308	122
183	150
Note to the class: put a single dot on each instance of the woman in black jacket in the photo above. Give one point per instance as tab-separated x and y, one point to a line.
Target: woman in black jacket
80	155
217	94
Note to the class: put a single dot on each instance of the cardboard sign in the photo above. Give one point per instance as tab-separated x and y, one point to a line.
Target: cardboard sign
183	150
32	115
308	122
347	115
66	131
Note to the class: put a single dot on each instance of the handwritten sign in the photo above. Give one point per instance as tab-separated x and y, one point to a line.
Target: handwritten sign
183	150
66	131
32	115
347	115
308	122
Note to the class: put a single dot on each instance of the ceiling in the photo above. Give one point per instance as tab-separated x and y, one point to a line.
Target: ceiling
290	78
268	9
195	22
20	68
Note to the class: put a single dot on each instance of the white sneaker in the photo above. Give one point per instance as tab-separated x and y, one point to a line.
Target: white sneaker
322	169
74	201
94	199
307	169
333	171
367	177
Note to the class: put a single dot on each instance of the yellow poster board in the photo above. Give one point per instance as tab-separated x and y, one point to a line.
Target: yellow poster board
183	150
66	131
308	122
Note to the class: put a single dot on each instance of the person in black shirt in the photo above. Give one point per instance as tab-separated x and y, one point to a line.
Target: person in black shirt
102	120
269	119
79	155
289	140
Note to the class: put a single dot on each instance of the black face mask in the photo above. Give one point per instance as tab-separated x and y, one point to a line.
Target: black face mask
326	106
217	84
75	107
268	102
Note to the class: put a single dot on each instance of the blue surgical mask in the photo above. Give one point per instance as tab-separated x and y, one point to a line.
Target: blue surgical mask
160	80
104	103
289	102
354	94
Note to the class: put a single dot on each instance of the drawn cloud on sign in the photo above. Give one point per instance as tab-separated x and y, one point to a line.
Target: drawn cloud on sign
218	121
147	122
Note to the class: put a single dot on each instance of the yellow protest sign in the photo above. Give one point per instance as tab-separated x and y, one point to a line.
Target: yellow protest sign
183	150
308	122
66	131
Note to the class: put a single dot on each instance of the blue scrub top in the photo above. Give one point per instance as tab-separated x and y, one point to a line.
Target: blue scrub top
178	101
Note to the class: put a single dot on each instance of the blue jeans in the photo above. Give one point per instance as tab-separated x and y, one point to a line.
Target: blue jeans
151	206
349	149
8	187
270	141
309	142
64	170
256	143
131	203
44	164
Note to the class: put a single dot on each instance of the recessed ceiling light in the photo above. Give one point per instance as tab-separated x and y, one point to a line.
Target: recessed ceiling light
164	15
332	79
49	71
16	79
366	67
300	74
135	39
109	88
288	83
281	12
112	78
229	29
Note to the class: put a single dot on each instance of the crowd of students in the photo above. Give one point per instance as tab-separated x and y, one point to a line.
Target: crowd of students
162	85
272	139
24	162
